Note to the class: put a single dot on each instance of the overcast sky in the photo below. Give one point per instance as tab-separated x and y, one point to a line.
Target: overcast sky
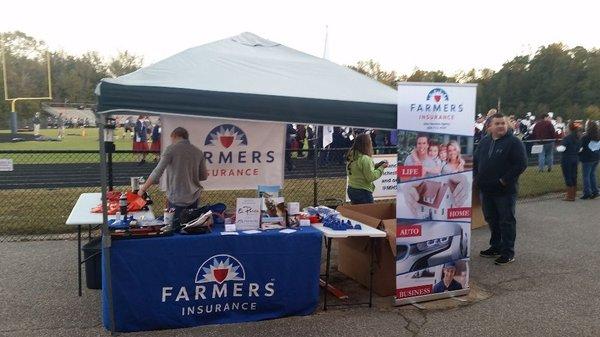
401	35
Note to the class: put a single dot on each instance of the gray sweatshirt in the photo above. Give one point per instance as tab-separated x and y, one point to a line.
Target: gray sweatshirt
187	168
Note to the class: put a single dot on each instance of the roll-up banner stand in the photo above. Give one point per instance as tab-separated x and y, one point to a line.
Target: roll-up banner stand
433	200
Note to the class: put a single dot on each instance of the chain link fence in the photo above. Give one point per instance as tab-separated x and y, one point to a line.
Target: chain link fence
37	197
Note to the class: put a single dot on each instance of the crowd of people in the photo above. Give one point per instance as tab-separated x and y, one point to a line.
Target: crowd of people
577	141
332	142
143	131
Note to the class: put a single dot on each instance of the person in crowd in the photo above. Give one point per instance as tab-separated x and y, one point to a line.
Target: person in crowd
560	127
290	135
373	135
569	160
148	125
300	137
155	146
310	138
478	128
499	160
338	144
589	156
387	143
454	163
186	169
36	124
60	124
488	120
361	170
140	139
544	133
448	283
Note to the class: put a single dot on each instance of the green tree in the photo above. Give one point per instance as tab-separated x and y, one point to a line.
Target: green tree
373	69
124	63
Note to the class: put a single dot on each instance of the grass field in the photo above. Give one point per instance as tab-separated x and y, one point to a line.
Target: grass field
44	211
74	140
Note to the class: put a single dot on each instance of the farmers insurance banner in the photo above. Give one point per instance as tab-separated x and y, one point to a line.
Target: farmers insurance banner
433	204
239	154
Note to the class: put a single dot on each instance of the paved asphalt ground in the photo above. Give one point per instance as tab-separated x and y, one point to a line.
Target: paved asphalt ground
551	290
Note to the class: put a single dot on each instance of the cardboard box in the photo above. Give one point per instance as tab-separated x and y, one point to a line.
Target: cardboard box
355	253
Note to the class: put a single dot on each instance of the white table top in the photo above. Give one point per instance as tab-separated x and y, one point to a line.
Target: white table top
364	231
81	214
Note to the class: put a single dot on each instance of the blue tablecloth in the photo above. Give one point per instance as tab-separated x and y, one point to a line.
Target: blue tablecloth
190	280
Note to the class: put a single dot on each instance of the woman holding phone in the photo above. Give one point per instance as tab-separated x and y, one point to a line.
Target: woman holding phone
362	172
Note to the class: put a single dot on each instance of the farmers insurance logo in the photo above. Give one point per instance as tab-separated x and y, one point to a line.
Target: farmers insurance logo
229	154
437	106
226	135
220	285
221	268
437	95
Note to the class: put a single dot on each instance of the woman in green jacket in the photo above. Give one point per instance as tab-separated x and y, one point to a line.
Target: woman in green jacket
361	170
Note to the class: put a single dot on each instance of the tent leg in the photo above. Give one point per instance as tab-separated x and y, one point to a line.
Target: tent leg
106	243
315	167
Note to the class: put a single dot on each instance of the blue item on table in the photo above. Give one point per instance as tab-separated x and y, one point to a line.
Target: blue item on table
218	208
120	223
337	224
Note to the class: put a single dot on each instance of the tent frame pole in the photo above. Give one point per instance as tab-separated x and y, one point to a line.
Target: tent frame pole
106	241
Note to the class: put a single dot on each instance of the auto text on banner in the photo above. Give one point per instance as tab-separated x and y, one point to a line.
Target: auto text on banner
239	154
433	201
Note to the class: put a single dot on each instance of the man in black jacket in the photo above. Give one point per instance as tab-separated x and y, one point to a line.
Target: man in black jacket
499	161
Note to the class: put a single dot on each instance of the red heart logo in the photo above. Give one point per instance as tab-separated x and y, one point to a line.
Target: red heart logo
220	274
226	140
437	98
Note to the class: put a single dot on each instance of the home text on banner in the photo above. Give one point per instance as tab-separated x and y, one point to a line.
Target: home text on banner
239	154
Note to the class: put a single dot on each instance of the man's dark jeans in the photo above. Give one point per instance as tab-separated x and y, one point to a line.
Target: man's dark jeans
177	214
499	213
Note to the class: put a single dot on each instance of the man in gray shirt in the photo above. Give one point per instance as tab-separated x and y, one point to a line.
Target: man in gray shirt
186	169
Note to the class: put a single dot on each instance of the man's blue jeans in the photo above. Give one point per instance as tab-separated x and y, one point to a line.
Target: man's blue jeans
590	184
546	157
499	213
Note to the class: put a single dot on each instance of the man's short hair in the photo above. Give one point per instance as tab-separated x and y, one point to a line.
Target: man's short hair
180	132
497	115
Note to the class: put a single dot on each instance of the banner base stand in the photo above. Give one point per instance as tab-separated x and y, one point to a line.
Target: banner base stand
431	297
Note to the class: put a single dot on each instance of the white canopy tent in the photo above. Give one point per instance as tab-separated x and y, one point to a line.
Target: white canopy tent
248	77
